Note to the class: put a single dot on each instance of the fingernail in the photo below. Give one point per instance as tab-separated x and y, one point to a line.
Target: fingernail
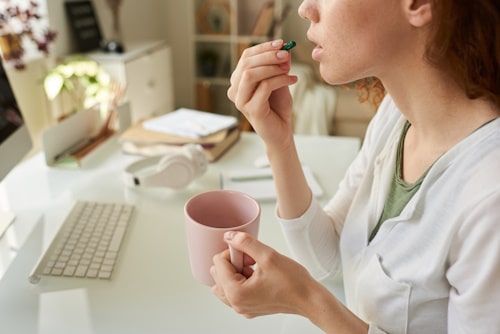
282	54
277	43
229	235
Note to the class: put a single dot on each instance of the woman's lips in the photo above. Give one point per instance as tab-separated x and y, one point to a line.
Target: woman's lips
316	52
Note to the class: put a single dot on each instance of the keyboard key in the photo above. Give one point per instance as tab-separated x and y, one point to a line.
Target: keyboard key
69	271
80	271
104	274
117	239
92	273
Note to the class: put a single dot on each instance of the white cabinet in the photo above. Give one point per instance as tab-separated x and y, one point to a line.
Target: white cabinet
223	28
146	69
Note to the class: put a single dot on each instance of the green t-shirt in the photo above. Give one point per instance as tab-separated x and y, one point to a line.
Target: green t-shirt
400	192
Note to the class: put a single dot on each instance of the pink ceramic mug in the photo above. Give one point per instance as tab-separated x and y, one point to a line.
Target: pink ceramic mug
208	216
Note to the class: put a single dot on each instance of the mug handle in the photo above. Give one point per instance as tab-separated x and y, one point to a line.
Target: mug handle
236	259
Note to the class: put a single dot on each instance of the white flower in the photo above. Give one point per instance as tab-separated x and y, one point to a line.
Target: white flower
53	84
88	83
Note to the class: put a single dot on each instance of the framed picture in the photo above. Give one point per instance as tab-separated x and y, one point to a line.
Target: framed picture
84	24
214	17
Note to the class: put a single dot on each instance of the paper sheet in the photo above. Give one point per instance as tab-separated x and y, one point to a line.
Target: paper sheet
190	123
258	182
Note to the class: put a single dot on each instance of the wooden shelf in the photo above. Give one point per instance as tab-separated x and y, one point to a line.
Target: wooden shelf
218	45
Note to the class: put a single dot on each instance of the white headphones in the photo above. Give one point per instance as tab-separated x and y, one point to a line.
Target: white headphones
176	169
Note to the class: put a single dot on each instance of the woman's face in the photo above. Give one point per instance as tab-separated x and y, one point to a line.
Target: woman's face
356	38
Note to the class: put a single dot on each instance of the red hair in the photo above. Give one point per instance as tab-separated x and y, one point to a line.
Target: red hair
465	43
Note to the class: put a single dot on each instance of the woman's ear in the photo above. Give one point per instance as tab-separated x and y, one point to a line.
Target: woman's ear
418	12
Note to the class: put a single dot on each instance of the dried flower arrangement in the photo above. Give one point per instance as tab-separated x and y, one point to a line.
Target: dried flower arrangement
19	24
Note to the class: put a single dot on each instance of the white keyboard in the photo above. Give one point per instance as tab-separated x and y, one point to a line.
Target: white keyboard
88	242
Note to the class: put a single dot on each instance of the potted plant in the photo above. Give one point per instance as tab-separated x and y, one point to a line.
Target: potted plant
208	62
81	83
20	25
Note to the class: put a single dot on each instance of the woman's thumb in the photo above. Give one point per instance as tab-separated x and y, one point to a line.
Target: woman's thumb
244	242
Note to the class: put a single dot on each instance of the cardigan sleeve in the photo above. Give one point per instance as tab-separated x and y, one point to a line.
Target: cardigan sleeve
313	241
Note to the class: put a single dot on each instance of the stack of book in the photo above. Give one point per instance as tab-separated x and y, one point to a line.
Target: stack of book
157	136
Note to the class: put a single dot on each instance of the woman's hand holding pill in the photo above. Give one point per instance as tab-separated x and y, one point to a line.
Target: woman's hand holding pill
259	89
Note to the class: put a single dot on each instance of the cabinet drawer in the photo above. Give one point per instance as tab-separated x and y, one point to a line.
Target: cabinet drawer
147	70
149	84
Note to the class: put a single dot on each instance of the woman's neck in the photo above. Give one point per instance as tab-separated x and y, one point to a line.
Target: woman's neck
439	111
441	115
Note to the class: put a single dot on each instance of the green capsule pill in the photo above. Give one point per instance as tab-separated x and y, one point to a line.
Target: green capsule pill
288	46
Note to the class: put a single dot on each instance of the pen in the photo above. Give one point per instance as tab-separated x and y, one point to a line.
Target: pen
245	178
289	45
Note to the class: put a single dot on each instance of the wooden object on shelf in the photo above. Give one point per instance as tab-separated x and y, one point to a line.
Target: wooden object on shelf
204	97
278	21
265	20
241	47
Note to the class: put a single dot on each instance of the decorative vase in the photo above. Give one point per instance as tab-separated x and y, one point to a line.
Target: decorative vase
11	46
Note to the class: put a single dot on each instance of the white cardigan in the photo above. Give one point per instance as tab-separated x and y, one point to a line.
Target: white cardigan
433	269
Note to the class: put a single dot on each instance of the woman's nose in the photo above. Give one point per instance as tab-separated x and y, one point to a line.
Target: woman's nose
307	11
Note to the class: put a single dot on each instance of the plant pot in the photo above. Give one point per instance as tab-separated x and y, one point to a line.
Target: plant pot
208	61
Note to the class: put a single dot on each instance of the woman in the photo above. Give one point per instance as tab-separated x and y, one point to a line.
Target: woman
414	224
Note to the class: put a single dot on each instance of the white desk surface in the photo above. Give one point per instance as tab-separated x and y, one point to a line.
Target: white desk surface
152	290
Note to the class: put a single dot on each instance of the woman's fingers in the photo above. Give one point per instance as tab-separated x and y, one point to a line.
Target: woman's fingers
258	86
247	244
248	57
250	77
267	59
263	47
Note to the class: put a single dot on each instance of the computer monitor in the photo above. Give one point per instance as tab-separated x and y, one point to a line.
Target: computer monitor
15	140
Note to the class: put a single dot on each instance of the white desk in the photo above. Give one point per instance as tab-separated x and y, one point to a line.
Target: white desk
152	290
